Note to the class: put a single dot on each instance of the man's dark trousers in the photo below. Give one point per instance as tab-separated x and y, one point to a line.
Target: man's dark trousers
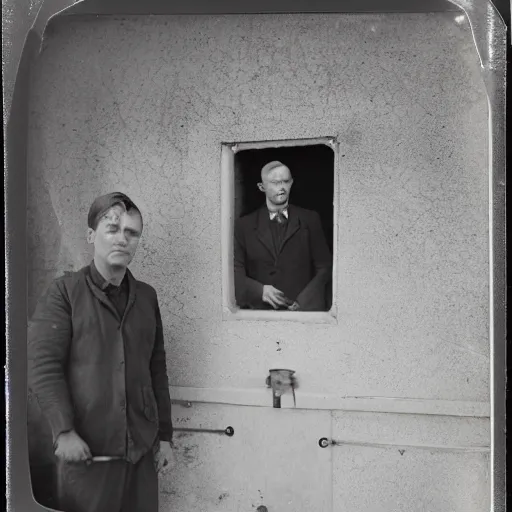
131	487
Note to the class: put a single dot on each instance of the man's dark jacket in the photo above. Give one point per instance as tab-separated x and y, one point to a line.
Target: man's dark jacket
100	374
300	269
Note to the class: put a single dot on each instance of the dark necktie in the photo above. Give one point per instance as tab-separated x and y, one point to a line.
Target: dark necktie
280	218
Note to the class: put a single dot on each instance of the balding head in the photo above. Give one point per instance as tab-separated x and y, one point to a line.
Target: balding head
276	182
267	168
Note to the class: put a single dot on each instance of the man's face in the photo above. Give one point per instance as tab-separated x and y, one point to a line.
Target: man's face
277	185
116	237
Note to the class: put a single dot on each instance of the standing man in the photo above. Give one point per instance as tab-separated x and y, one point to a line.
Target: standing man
281	257
98	370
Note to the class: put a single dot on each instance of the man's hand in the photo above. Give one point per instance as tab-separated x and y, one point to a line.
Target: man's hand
164	457
70	447
275	297
294	307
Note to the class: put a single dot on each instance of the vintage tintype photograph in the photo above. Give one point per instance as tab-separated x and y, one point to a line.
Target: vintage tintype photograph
262	259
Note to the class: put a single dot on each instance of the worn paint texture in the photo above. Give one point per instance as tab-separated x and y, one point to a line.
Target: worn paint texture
17	18
272	460
143	104
425	463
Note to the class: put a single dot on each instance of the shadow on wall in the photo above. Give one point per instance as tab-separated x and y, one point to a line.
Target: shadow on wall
40	453
44	238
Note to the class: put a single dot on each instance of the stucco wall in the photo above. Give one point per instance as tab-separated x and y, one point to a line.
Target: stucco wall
17	18
142	105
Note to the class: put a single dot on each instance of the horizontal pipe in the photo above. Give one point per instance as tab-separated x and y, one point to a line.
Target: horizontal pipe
254	397
228	431
448	448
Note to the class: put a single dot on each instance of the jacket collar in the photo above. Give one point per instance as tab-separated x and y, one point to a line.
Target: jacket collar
284	211
263	230
98	279
98	284
293	224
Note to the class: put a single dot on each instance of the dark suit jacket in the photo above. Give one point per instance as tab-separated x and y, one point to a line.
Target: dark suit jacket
300	269
103	375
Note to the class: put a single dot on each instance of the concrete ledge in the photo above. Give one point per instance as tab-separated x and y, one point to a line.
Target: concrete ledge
309	317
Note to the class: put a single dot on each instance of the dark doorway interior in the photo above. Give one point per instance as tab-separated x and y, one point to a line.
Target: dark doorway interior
312	168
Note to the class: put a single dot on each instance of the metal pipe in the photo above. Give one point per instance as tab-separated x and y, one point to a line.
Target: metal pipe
228	431
324	442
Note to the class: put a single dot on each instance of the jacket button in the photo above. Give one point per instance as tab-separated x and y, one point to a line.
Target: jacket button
122	403
272	272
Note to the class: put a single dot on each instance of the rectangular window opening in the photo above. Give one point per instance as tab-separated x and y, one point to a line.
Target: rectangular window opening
292	255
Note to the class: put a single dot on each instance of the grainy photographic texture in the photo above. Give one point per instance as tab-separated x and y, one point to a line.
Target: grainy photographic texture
399	383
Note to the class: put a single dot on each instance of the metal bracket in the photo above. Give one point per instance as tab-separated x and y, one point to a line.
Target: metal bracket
228	431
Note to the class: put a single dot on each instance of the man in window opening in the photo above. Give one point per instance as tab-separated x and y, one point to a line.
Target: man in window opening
97	368
281	257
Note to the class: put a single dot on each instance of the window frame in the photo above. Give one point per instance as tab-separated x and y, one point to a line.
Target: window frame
230	311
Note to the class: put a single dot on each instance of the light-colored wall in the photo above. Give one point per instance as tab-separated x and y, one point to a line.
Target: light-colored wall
142	105
17	18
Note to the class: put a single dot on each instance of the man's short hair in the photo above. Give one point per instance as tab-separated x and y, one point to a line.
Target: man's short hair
102	205
271	166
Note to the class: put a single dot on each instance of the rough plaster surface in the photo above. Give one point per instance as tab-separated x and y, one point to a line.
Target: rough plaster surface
405	477
273	460
143	104
368	479
17	18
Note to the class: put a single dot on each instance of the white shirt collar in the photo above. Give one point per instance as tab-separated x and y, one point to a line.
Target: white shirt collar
273	214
